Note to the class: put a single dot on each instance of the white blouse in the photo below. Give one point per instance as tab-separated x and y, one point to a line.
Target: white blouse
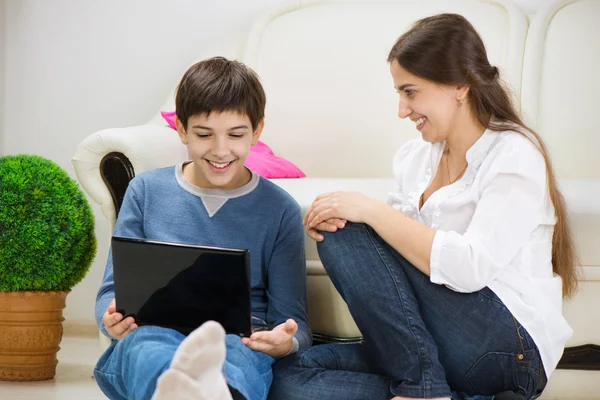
494	228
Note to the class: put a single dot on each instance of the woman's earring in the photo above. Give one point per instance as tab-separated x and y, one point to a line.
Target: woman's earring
460	102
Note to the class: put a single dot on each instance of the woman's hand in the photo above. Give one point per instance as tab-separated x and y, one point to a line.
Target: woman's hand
277	342
345	206
331	225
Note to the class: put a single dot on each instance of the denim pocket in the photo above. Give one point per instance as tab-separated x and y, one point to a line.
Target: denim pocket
526	378
497	372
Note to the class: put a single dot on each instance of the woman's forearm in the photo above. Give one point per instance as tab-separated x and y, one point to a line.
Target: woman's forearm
408	237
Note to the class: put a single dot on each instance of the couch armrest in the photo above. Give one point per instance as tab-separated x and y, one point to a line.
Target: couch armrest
142	147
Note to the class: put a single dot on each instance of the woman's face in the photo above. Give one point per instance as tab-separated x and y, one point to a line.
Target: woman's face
434	108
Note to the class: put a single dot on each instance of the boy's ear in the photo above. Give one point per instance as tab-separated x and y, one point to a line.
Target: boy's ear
181	131
258	131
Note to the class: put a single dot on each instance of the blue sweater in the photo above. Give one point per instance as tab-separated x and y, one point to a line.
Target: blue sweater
261	217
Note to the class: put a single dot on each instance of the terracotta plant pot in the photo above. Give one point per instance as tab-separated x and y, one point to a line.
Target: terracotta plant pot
30	332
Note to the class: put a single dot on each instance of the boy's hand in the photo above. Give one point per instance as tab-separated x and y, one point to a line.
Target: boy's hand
275	343
114	323
331	225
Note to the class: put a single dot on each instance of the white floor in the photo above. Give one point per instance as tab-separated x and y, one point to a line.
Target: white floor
74	379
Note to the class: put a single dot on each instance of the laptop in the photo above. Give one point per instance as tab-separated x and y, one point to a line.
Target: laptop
181	286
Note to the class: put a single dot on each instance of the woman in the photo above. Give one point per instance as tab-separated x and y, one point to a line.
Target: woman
456	282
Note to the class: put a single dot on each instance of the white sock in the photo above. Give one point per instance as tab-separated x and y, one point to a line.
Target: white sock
174	384
201	356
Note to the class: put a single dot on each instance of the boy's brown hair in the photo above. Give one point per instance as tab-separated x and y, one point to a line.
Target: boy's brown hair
216	85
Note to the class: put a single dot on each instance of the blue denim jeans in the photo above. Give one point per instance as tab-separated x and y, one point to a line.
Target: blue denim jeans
130	367
420	339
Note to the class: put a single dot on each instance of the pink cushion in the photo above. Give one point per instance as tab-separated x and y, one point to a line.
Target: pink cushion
169	116
260	159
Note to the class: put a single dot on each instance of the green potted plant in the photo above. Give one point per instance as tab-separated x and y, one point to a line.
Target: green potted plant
47	244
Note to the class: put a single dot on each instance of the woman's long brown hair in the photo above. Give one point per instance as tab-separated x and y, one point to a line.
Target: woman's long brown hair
446	49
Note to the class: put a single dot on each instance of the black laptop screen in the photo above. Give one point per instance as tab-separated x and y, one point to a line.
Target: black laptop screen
182	286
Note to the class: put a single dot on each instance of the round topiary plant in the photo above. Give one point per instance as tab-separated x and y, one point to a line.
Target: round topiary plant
47	240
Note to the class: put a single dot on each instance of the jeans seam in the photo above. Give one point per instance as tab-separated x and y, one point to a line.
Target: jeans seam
105	386
519	334
439	391
105	373
303	357
494	299
427	386
532	370
528	363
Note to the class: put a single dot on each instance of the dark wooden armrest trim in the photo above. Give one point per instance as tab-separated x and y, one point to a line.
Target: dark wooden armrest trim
116	171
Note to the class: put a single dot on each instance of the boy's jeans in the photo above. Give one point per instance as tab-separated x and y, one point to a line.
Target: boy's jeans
129	368
421	339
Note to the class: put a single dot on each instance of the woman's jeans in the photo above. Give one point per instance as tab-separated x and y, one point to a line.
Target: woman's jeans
420	339
130	367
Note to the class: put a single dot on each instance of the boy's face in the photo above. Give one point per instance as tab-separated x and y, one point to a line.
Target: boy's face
218	144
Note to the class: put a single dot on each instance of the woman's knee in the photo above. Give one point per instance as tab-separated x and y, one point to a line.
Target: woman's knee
337	244
349	233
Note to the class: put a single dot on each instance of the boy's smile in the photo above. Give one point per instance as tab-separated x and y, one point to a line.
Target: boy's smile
218	145
220	167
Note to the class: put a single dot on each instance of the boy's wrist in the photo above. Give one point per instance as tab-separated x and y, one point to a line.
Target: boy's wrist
295	345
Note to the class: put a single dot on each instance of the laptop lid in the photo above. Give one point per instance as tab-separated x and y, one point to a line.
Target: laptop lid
181	286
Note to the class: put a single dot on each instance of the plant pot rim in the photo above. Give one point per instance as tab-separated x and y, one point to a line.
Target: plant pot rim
35	292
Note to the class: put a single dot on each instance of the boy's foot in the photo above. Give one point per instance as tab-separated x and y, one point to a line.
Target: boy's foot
201	356
202	350
174	384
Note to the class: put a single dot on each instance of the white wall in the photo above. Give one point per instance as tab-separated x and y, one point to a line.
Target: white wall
74	67
3	75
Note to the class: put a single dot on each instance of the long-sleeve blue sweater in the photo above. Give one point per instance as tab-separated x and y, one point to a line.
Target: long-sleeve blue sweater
259	216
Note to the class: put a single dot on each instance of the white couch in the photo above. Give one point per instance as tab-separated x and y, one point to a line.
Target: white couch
331	109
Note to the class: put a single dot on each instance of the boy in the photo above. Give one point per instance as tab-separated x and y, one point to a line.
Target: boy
211	200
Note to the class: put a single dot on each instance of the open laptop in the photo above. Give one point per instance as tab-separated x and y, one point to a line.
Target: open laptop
181	286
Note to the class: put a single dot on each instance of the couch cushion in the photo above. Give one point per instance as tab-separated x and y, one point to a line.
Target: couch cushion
583	203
